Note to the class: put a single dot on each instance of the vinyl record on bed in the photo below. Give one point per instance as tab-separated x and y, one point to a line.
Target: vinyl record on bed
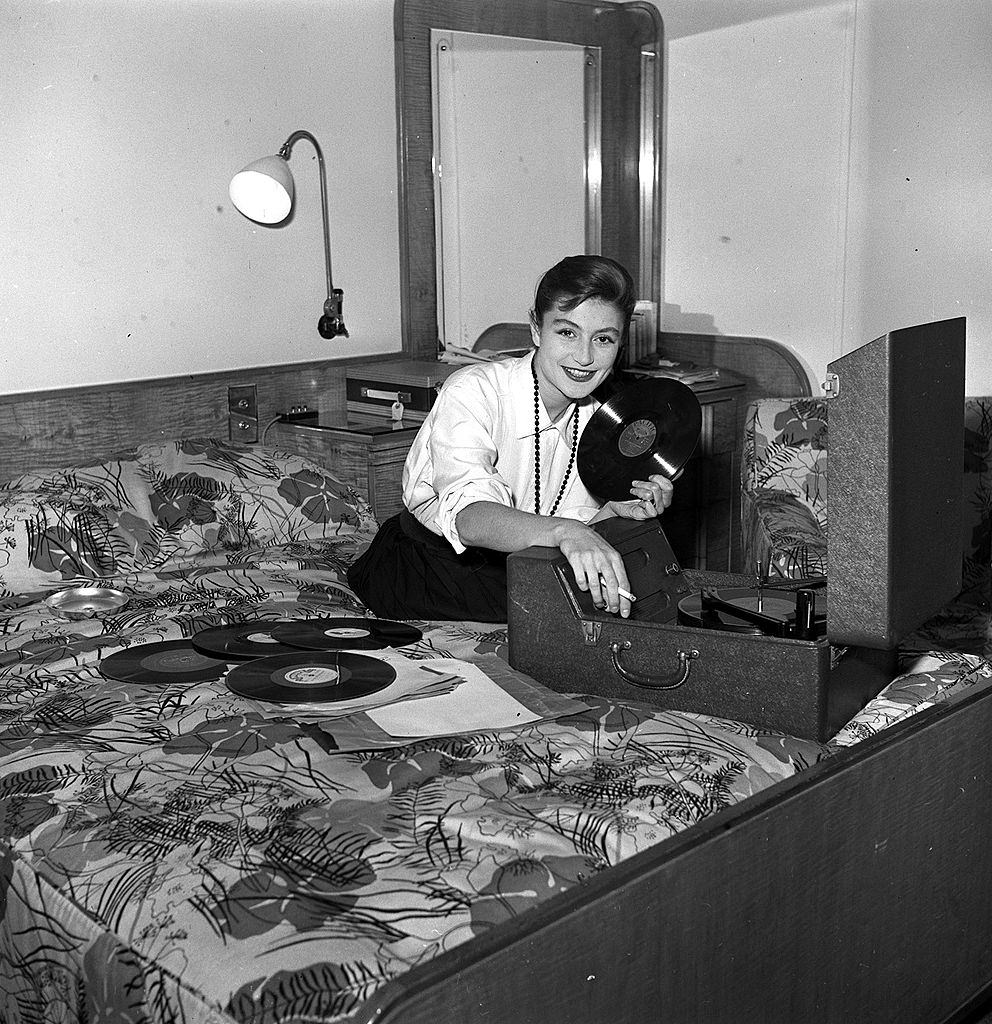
346	634
241	641
649	427
171	661
310	676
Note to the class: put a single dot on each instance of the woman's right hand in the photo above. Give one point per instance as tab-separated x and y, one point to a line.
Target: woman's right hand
597	566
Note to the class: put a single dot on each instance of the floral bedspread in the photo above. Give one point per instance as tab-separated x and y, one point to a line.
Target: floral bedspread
175	852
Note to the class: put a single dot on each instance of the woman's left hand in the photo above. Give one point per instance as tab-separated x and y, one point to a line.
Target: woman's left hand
651	498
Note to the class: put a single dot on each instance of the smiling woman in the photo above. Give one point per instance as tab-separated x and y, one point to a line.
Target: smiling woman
492	469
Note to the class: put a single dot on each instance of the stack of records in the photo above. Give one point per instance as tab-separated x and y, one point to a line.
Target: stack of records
293	661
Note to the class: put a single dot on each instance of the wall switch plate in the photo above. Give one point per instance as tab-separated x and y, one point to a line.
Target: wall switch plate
242	413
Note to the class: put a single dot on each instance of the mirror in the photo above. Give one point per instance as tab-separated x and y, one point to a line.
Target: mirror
528	130
508	204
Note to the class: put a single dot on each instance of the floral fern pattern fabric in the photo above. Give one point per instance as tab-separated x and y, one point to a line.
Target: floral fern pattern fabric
172	851
162	505
784	494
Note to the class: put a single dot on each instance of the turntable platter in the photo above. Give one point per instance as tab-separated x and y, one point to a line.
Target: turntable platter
762	612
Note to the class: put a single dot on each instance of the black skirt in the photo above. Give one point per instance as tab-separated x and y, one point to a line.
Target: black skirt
408	572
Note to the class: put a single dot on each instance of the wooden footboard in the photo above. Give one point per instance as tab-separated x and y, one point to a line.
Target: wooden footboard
858	891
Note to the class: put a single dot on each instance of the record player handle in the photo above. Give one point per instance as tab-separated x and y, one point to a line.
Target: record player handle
686	659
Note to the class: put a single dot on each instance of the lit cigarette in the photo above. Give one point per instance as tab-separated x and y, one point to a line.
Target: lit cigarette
623	593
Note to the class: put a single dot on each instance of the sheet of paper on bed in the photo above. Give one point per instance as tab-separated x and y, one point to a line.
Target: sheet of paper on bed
477	703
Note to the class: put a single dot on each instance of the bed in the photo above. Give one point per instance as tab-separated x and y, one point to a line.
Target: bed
172	850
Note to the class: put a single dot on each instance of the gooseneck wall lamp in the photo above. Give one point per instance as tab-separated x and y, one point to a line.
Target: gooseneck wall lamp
264	192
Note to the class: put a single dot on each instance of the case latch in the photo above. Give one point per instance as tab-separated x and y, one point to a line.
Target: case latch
831	386
590	631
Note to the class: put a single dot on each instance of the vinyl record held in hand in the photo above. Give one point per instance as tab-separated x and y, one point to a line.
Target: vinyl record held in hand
649	427
310	677
241	640
346	634
171	661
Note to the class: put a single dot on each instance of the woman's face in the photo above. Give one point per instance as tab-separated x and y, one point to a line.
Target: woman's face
576	350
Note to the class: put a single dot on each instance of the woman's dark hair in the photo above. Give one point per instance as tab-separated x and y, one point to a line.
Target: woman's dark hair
578	278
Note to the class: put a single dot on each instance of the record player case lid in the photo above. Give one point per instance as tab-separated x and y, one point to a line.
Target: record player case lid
895	442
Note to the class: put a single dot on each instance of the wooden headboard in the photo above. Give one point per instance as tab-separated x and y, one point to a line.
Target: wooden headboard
70	426
768	368
49	429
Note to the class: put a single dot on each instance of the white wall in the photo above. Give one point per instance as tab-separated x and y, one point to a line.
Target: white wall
829	171
792	128
123	123
920	235
756	172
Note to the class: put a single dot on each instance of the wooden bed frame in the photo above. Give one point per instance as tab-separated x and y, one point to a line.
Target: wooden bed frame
859	890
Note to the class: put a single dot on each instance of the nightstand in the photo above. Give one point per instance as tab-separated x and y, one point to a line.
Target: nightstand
703	522
364	452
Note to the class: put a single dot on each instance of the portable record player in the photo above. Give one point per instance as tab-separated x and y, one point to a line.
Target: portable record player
799	657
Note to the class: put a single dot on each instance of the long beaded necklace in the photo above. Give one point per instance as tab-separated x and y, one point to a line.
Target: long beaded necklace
537	449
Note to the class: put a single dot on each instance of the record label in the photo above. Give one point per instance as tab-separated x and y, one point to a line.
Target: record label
637	439
328	634
310	677
171	661
648	428
261	638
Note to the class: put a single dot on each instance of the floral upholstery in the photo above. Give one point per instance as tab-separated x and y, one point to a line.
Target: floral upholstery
162	505
784	502
784	493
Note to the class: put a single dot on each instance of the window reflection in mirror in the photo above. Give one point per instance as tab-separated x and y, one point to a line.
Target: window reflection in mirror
509	202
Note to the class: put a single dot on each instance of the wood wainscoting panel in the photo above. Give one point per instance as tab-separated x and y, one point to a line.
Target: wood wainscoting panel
70	426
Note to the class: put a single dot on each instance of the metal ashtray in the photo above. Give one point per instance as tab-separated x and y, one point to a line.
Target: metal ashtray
86	602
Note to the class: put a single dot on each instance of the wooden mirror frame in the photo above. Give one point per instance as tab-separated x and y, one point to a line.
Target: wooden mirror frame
629	35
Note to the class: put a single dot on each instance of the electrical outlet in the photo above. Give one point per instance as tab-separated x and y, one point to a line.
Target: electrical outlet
242	400
299	414
242	413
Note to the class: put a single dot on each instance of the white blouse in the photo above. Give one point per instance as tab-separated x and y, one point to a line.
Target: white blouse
477	444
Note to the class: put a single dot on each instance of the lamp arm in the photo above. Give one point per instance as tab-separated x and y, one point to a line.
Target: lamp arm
284	152
332	322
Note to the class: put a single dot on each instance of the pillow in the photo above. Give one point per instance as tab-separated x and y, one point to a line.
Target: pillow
45	544
785	444
801	472
173	500
259	494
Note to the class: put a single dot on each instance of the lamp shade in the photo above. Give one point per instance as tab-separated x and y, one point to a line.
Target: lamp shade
264	190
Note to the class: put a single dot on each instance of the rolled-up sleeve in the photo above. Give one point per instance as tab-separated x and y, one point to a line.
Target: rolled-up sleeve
464	456
453	462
